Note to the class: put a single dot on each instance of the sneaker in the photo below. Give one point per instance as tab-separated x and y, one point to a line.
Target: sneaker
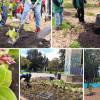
37	30
57	28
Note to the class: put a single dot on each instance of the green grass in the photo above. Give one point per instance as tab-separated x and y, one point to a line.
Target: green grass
90	14
75	44
68	4
65	25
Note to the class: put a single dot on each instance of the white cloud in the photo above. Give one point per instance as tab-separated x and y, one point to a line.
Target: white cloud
53	54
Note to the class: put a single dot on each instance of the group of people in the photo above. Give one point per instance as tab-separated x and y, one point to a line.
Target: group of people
22	8
58	6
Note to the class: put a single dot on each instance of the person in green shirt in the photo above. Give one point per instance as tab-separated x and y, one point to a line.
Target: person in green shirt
79	5
58	12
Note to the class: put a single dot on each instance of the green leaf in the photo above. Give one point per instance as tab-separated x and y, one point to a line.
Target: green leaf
6	94
2	98
4	65
5	77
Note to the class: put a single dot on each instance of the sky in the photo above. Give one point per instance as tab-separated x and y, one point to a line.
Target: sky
48	52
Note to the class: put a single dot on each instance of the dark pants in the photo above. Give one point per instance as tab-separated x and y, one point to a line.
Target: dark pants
80	12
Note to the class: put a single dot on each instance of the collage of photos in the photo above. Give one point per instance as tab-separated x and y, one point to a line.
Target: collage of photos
49	49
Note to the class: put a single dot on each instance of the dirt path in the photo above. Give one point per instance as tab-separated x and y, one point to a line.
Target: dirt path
96	95
84	34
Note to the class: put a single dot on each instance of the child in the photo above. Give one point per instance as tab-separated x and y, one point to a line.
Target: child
58	12
79	5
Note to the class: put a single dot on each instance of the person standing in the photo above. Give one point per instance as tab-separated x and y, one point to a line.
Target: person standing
79	5
36	6
58	13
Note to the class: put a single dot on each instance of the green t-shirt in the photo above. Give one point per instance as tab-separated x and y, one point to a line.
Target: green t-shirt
57	9
39	1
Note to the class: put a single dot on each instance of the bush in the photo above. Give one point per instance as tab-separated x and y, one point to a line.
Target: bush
75	44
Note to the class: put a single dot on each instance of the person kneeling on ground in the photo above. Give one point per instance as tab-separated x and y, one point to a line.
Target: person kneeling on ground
58	12
79	5
3	15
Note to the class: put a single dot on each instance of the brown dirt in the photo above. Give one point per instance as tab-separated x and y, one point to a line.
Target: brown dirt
95	96
39	87
27	36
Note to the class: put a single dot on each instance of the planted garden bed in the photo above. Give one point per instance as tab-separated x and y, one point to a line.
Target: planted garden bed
51	90
26	39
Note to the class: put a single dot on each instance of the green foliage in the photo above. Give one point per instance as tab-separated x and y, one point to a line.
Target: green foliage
90	14
68	5
97	79
6	94
12	34
38	61
91	64
66	25
75	44
54	65
5	81
15	54
62	56
24	63
5	76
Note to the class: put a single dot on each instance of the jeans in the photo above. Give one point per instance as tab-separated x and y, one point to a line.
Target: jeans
27	8
37	14
58	19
